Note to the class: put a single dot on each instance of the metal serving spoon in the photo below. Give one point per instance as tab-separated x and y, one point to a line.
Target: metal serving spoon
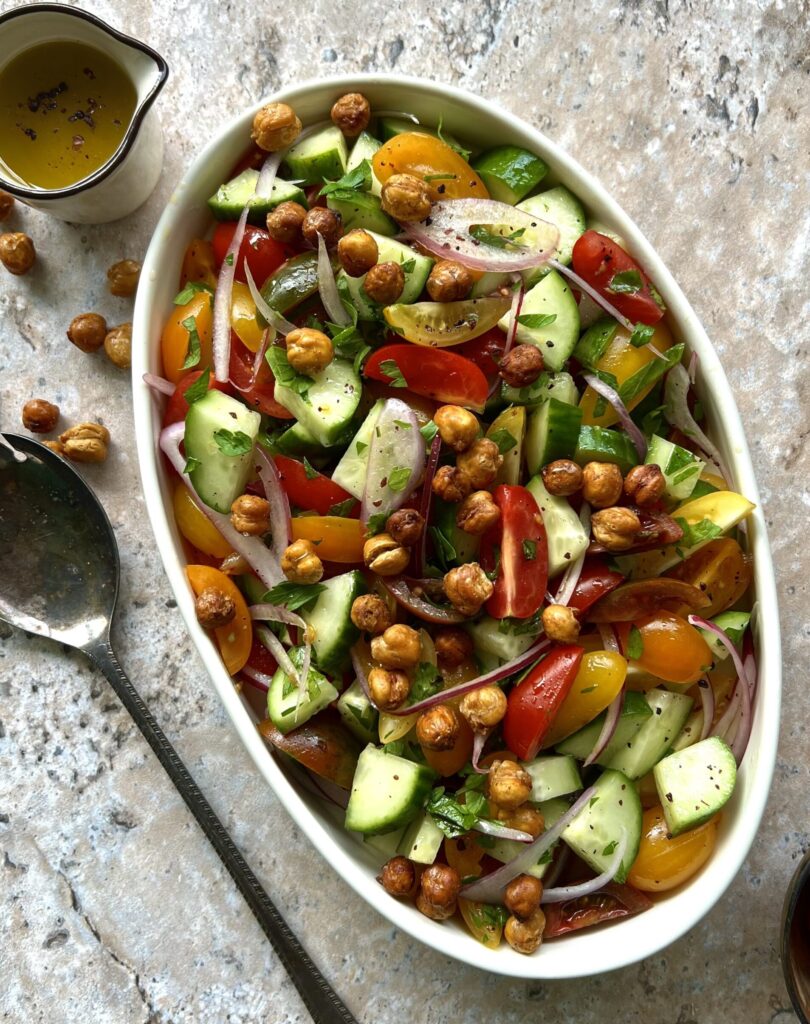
59	579
796	940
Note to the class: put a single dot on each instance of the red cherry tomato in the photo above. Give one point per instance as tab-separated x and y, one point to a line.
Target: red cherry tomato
177	406
263	253
517	548
485	351
316	492
432	372
595	580
261	394
598	259
610	903
533	703
261	659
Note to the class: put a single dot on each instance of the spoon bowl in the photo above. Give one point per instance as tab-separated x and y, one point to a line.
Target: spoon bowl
796	940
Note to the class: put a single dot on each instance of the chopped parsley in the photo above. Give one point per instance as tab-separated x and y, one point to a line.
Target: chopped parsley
233	443
342	508
444	549
310	471
427	681
392	371
360	447
635	644
642	334
294	595
398	478
429	431
530	550
285	374
626	282
356	180
191	464
487	237
534	321
191	289
194	350
198	388
697	533
503	439
453	818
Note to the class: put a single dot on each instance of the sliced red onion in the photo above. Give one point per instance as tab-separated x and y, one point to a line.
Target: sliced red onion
222	301
396	444
573	892
613	396
446	232
561	855
730	714
159	384
509	669
267	175
268	337
276	613
514	313
750	665
420	551
259	680
707	704
489	889
400	589
328	287
280	517
360	673
279	652
691	368
614	713
594	294
480	737
263	561
498	831
608	636
571	576
676	411
275	319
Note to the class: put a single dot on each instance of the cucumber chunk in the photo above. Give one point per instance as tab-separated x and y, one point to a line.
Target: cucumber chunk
498	637
693	784
553	776
565	535
594	342
358	713
283	705
554	432
351	471
464	545
363	210
505	850
635	712
364	149
387	792
327	407
508	427
599	444
297	440
389	251
422	840
230	199
488	283
552	297
218	478
613	811
330	619
320	157
548	385
733	624
385	846
510	173
565	211
680	467
656	736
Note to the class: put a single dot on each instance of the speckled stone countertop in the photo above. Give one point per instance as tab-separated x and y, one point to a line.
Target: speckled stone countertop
113	909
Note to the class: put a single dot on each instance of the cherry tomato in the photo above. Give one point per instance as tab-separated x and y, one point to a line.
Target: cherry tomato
323	744
445	324
664	861
243	317
464	854
263	253
235	639
434	373
671	649
609	904
261	659
595	580
261	393
426	156
450	762
198	263
337	538
485	351
516	548
598	259
534	702
306	491
177	406
600	677
721	570
644	597
483	920
175	340
195	525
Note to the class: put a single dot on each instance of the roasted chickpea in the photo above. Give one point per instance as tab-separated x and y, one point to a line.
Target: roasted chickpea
458	427
406	526
300	562
322	221
524	818
250	515
615	528
481	462
450	484
439	887
438	728
351	114
17	253
477	513
406	198
309	351
453	646
467	588
214	608
371	614
55	446
483	708
398	877
286	222
85	442
645	485
508	784
118	346
561	623
562	477
525	936
601	484
449	281
522	896
522	366
275	127
384	556
40	416
122	278
6	204
388	688
398	647
357	252
384	283
87	331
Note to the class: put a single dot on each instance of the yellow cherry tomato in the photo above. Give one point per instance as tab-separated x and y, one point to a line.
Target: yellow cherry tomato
175	340
623	360
600	677
235	639
196	527
513	421
442	324
721	570
483	920
425	156
671	649
336	538
198	264
663	862
243	317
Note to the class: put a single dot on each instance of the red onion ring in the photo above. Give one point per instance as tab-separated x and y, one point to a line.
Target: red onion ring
268	336
280	516
159	384
707	704
267	175
744	685
498	831
677	414
489	889
614	713
514	313
362	678
328	287
222	301
401	591
420	551
480	737
258	680
691	369
571	576
279	652
392	446
274	318
573	892
594	294
275	613
612	395
607	635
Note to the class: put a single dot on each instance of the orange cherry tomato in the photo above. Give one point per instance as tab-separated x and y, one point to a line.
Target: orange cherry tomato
236	638
663	862
174	342
198	264
721	570
425	156
337	539
465	855
671	649
449	762
196	527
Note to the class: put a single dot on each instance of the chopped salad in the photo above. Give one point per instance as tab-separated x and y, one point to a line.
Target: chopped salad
453	521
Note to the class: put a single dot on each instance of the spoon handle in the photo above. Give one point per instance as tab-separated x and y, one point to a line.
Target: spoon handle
323	1003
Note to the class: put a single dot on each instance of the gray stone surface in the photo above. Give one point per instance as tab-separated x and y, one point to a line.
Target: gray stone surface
112	907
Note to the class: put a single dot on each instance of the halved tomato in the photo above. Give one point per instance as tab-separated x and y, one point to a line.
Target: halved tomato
434	373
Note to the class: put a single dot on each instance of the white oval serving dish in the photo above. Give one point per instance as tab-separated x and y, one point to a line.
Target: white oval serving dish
468	117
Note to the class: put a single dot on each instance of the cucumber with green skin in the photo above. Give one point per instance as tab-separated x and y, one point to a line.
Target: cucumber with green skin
364	148
358	713
734	625
505	850
330	620
566	537
694	784
318	158
510	172
654	739
553	776
297	440
351	471
548	385
326	407
498	637
219	478
389	251
557	340
230	199
561	208
613	812
422	840
635	712
286	708
361	210
553	433
599	444
680	467
387	792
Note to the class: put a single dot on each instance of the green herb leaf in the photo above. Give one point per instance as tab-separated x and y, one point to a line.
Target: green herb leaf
445	551
698	533
191	464
427	681
642	334
649	374
408	266
309	470
465	154
194	350
233	443
199	388
503	439
429	431
453	818
398	478
395	747
534	321
376	523
438	177
356	180
191	289
285	374
402	424
360	447
610	848
294	595
390	369
492	575
229	259
626	282
530	550
487	237
635	644
342	508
